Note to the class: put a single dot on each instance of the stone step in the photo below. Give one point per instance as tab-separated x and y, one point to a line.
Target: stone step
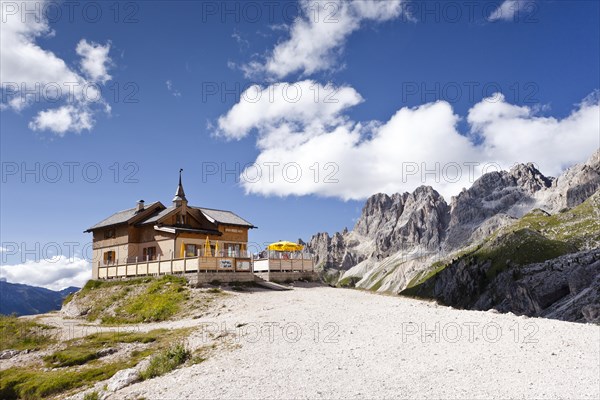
270	285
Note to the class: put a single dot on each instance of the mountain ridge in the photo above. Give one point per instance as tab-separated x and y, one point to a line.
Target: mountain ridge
400	237
21	299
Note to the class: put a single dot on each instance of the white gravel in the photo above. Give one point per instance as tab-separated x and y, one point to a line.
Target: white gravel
365	348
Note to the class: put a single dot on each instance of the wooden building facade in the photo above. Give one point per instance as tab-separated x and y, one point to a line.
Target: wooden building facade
154	238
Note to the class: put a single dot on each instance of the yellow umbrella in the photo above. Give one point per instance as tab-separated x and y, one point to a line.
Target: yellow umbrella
285	246
207	252
182	252
217	249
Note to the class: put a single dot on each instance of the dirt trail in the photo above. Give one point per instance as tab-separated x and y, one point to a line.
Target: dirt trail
322	342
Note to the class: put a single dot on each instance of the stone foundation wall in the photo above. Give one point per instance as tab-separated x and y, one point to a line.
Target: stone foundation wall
222	277
287	276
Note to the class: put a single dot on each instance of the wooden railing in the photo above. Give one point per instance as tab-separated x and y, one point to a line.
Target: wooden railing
175	266
304	264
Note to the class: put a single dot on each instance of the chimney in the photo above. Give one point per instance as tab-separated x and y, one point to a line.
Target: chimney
140	206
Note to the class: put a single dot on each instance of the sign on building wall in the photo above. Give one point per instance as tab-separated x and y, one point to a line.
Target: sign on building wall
243	265
226	264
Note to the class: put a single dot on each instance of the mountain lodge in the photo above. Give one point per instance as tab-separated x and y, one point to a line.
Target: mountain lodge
154	239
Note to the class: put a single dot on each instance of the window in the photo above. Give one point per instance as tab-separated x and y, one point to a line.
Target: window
109	257
109	234
149	253
190	250
233	250
181	220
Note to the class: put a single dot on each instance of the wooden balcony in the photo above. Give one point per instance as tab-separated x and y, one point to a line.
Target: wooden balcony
175	266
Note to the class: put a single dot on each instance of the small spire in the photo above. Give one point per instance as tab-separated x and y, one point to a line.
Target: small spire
179	194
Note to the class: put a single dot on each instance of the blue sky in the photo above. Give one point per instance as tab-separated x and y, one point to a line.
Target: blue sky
161	68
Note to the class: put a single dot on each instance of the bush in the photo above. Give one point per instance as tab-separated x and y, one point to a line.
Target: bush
91	396
166	360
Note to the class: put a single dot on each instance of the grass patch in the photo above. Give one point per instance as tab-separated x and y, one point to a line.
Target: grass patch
23	334
579	226
77	355
91	396
166	361
348	282
68	298
32	383
82	351
28	383
138	300
521	247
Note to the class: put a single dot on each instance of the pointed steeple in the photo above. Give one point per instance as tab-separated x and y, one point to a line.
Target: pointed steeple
179	198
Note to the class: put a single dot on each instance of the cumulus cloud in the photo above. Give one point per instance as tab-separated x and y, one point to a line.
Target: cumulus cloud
63	119
317	37
29	73
54	273
291	105
509	10
94	60
312	147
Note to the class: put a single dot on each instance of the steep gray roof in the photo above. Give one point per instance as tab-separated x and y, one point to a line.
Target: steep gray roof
224	217
218	216
158	215
118	217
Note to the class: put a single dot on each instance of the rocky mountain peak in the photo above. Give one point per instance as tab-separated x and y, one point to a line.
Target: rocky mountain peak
575	185
407	229
528	177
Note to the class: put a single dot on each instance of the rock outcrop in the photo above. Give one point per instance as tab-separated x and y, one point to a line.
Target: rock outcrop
566	287
399	237
505	193
575	185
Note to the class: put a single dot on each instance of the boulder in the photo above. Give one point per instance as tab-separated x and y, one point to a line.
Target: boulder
6	354
122	379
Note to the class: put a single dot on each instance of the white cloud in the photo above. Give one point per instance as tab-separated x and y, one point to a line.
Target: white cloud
63	119
415	146
26	67
318	36
172	89
94	60
55	273
286	104
510	10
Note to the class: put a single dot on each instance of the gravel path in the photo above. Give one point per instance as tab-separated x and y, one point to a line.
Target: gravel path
374	346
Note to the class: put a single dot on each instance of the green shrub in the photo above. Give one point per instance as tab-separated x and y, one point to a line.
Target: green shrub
68	298
91	396
166	361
